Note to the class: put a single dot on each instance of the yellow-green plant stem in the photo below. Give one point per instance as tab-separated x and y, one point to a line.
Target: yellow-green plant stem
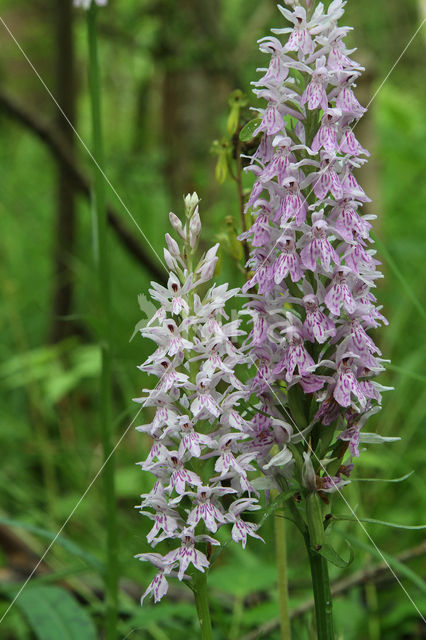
322	594
281	556
202	604
102	265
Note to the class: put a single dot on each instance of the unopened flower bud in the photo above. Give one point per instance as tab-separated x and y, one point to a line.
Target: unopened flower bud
176	224
309	479
170	260
211	253
208	270
194	228
173	246
191	201
208	264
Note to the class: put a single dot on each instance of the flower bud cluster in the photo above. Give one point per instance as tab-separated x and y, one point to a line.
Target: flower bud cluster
197	456
314	268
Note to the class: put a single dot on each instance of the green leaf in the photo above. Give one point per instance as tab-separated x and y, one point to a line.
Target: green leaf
66	544
376	438
394	525
401	479
248	130
332	556
395	564
53	613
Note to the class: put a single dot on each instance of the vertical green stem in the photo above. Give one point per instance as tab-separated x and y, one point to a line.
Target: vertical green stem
102	264
281	556
322	594
202	604
239	180
372	600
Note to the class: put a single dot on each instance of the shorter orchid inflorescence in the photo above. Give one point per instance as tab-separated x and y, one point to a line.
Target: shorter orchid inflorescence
198	456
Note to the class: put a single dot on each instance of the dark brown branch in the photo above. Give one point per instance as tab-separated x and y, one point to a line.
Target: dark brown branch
65	223
60	151
372	573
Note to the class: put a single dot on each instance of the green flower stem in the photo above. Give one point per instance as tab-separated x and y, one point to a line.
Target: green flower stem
102	264
322	594
202	604
281	556
239	180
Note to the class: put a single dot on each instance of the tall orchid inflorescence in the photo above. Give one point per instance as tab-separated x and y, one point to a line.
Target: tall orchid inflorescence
198	456
314	268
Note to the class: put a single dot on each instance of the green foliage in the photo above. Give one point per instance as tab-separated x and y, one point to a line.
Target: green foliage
68	545
47	368
53	613
248	130
332	556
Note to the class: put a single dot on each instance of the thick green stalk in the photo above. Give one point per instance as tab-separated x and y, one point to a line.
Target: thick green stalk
202	603
322	594
102	264
281	556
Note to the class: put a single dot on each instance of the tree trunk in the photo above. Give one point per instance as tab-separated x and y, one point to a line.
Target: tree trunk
64	238
192	91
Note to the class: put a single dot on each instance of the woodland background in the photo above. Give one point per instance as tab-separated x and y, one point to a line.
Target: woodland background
168	70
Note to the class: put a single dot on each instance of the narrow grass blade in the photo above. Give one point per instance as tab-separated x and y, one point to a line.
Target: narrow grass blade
393	525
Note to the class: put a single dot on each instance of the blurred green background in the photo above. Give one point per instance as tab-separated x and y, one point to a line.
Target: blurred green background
168	69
